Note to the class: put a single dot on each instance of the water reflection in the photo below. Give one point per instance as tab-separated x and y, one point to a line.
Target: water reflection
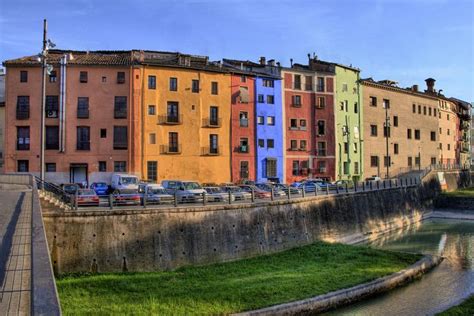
445	286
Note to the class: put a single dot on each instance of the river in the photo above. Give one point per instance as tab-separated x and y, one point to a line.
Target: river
446	285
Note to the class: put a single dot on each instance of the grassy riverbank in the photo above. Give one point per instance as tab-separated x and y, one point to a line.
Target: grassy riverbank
465	308
467	192
230	287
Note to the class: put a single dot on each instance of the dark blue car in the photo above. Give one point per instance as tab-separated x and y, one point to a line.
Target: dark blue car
100	188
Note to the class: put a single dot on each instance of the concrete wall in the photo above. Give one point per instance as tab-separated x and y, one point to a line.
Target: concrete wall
165	239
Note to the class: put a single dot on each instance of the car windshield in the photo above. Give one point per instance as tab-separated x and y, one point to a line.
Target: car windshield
263	186
70	187
157	191
127	192
191	186
129	180
101	185
234	189
86	192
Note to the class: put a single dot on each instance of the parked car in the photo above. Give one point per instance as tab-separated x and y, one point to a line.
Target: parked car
70	188
186	191
341	184
258	193
268	187
124	181
216	194
285	188
126	197
154	193
237	192
101	188
372	180
86	197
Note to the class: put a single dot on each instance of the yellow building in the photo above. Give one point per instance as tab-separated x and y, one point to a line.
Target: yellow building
448	129
185	111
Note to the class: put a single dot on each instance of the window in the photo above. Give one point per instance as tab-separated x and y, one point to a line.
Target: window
449	146
260	98
293	144
260	120
302	144
83	138
270	143
322	166
244	145
440	130
373	130
23	107
172	112
410	161
303	125
195	86
395	121
356	107
320	84
83	107
321	103
151	110
356	167
341	105
23	166
152	82
346	147
386	161
268	83
355	147
344	87
23	76
386	131
374	161
52	106
433	160
50	167
270	99
373	101
424	110
152	170
346	167
244	95
152	138
53	76
103	133
417	134
83	77
296	168
120	137
270	120
52	137
173	142
321	148
419	109
296	100
395	149
308	83
441	146
173	84
271	167
321	127
120	77
104	79
293	124
243	118
102	166
434	112
214	88
414	108
214	116
429	111
261	143
23	138
297	82
120	166
120	107
433	136
214	144
244	169
243	79
409	133
417	161
386	104
448	131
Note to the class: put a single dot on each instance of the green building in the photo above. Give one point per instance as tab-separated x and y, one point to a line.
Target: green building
349	124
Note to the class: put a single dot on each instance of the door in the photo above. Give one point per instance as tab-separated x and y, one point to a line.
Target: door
78	173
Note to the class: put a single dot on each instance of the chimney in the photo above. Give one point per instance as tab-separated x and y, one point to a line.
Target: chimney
262	60
430	82
278	64
414	88
271	62
291	62
309	58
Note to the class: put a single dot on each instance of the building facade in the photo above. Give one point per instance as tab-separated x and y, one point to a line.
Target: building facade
87	115
348	111
2	117
448	132
409	140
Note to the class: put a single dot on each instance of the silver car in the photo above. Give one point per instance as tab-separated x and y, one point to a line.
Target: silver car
237	192
216	194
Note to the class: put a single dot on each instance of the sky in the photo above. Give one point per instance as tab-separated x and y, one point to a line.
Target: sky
402	40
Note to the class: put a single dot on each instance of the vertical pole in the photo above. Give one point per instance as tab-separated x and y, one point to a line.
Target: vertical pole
355	186
175	198
327	189
43	98
253	195
288	193
272	197
363	186
204	198
144	197
347	188
303	192
111	201
230	197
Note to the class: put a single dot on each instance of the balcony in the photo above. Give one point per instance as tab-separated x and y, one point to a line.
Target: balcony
212	122
465	125
170	149
211	151
170	119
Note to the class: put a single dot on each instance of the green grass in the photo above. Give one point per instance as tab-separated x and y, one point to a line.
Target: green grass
467	192
230	287
465	308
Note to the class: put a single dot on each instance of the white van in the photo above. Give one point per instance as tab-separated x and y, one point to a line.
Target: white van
124	181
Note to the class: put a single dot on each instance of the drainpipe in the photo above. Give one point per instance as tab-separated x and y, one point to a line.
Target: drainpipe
361	129
62	104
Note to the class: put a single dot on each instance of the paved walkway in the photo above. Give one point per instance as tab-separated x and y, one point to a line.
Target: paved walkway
15	250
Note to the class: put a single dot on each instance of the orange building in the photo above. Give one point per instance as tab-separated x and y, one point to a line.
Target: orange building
87	115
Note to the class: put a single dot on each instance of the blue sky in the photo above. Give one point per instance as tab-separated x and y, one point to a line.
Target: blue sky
402	40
